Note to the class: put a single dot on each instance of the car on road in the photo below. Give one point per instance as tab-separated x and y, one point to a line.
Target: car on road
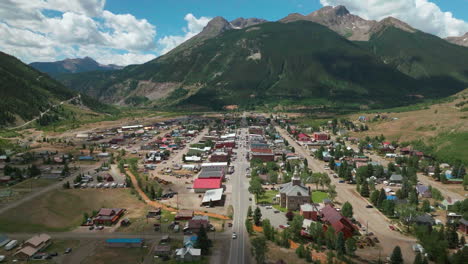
268	207
341	181
276	211
234	235
369	206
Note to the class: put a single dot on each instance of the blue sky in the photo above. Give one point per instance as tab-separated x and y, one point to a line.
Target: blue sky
168	17
131	32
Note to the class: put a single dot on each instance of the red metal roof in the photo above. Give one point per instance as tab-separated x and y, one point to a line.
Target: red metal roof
207	183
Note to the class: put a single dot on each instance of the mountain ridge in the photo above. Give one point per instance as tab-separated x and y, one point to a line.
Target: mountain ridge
75	65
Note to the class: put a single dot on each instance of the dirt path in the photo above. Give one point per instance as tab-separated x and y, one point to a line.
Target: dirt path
157	204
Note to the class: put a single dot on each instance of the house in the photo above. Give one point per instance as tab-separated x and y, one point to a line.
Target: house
396	178
463	226
321	136
214	166
219	157
423	191
332	217
108	216
293	194
162	250
189	241
309	211
153	213
203	185
303	137
188	254
33	245
265	157
197	222
424	219
124	242
213	197
184	215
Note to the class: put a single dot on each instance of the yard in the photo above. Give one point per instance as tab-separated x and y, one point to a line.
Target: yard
267	197
108	255
318	196
62	210
34	183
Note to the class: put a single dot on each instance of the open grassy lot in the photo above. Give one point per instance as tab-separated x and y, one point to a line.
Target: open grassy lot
108	255
60	246
62	210
34	183
318	196
267	197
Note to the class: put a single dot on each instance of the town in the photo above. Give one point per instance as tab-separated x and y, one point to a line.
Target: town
228	188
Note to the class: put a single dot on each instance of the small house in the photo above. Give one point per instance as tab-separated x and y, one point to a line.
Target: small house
188	254
396	178
162	250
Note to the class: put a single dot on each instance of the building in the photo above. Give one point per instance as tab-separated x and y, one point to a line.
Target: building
463	226
303	137
108	216
396	178
293	194
310	211
424	219
219	157
332	217
321	136
188	254
184	215
124	242
265	157
33	245
213	197
214	166
197	222
203	185
423	191
211	174
162	250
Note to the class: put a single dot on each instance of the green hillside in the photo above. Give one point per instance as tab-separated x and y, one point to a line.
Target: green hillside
26	92
300	63
438	63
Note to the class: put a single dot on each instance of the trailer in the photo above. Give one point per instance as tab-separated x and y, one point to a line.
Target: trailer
11	245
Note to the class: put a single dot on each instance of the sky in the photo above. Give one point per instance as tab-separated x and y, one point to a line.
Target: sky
124	32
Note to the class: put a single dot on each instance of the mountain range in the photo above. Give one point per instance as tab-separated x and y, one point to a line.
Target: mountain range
77	65
27	94
329	58
462	40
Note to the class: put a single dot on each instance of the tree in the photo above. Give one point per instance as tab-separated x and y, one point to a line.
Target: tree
365	189
374	198
332	192
382	197
340	244
248	226
296	226
347	210
351	246
289	215
256	187
259	249
300	251
203	242
418	259
426	206
396	257
257	216
66	185
249	211
268	230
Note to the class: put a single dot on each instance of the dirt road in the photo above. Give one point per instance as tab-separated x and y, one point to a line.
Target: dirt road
376	221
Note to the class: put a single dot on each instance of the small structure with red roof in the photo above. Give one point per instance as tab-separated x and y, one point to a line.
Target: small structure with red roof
203	185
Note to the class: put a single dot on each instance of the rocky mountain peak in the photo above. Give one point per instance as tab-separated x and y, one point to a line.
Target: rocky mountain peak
331	11
215	27
392	22
241	22
461	40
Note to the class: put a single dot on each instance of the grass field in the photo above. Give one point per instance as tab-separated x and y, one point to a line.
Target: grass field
318	196
267	197
60	246
62	210
34	183
107	255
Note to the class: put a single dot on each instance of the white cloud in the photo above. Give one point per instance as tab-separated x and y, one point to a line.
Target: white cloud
421	14
194	26
27	32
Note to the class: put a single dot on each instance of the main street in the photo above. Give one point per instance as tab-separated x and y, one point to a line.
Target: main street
370	217
240	250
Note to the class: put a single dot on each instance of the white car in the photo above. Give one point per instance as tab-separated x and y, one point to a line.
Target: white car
234	235
269	207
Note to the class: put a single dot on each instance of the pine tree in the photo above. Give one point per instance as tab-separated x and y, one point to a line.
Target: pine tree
347	210
203	242
365	189
374	198
248	226
418	259
340	244
249	212
396	257
382	197
257	216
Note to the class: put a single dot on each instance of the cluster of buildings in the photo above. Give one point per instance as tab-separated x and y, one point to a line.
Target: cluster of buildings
259	147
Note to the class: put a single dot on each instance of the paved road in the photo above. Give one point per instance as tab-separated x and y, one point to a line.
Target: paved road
39	192
376	221
240	250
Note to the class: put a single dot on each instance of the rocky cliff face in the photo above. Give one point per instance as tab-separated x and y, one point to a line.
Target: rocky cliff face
241	22
462	40
72	66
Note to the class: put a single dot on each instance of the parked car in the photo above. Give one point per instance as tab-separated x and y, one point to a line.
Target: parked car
234	235
369	206
68	250
392	227
276	211
269	207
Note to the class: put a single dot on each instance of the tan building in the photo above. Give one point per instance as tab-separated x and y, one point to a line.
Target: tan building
32	246
293	194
